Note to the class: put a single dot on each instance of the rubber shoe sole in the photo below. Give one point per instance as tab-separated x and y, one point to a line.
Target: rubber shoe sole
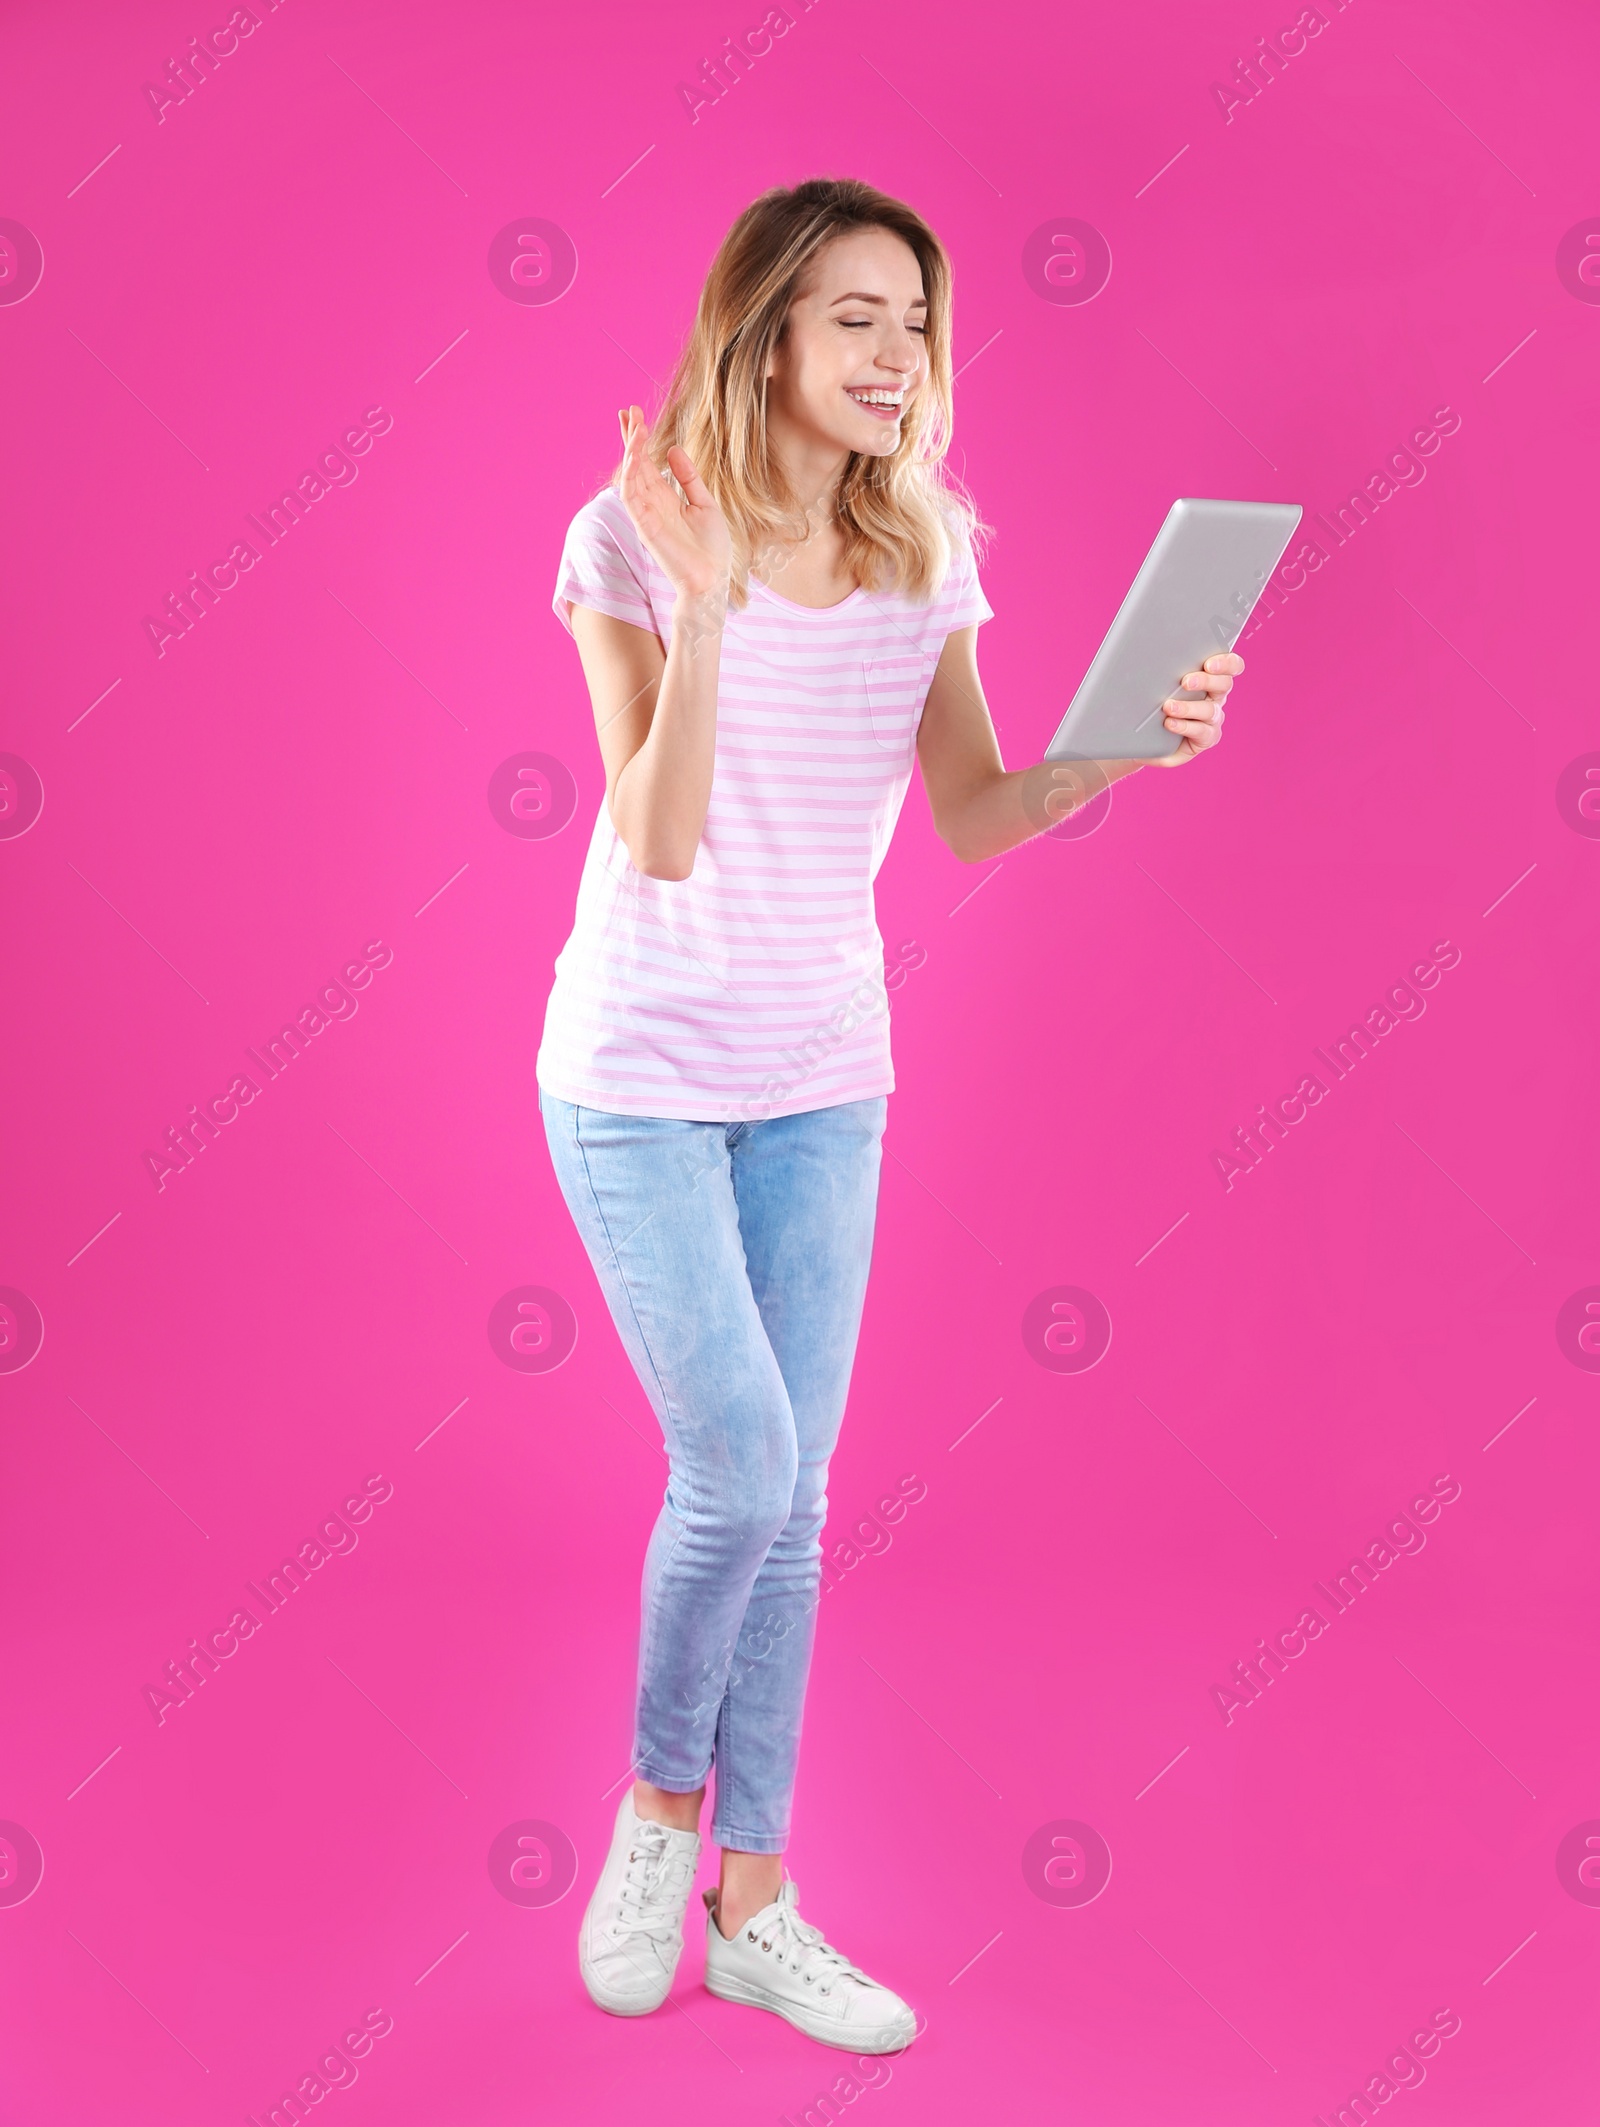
826	2030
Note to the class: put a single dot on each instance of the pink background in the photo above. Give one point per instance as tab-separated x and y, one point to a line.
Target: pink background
1294	1893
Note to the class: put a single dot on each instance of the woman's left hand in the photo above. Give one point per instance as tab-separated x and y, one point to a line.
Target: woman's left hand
1197	725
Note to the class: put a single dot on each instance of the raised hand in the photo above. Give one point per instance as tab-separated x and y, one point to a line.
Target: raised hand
1198	724
686	534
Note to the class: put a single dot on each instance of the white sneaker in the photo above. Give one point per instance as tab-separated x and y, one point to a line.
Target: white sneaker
778	1962
632	1933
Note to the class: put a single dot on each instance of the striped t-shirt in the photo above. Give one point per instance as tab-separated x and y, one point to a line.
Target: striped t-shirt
754	987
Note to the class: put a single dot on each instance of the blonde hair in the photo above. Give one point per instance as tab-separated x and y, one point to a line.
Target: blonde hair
902	513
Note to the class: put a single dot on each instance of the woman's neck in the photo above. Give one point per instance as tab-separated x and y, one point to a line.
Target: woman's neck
811	466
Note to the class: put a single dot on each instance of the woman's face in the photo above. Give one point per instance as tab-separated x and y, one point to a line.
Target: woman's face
853	355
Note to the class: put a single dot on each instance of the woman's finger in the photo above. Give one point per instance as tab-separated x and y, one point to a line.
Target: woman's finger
1202	716
642	484
1225	661
630	456
694	488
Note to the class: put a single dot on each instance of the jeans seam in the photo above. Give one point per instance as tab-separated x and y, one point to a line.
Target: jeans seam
644	1772
743	1841
649	1622
605	1227
728	1756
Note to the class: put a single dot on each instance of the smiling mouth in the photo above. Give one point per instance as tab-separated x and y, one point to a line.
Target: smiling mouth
882	404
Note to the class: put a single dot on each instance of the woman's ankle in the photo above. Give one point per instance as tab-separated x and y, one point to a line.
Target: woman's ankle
750	1883
659	1805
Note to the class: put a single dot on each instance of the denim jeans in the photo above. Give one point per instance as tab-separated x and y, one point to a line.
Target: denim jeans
733	1257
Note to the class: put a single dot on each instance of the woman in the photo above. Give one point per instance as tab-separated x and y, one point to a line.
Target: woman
715	1062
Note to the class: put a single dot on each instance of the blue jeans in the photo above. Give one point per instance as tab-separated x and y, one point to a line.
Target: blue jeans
733	1257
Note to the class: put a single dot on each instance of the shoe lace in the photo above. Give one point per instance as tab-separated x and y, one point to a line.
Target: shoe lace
654	1884
802	1947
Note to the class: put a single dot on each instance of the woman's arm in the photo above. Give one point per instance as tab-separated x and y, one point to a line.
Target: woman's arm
656	716
980	808
656	710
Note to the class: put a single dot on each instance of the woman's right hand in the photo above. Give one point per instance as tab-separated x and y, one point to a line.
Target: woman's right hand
687	535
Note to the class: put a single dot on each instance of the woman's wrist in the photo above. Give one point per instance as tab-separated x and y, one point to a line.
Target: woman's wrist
699	591
700	611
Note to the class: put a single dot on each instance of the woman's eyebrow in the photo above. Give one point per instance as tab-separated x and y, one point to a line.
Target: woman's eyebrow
858	295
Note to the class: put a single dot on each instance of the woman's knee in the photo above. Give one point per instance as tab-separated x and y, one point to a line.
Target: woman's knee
751	1507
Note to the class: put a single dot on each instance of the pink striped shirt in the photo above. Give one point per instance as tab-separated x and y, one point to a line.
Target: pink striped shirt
755	986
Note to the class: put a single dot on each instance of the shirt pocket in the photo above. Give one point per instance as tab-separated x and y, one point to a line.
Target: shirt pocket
895	685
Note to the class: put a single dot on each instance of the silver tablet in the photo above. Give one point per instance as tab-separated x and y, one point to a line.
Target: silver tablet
1190	600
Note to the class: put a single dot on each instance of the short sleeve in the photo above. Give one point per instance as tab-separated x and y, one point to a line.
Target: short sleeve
961	598
604	564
